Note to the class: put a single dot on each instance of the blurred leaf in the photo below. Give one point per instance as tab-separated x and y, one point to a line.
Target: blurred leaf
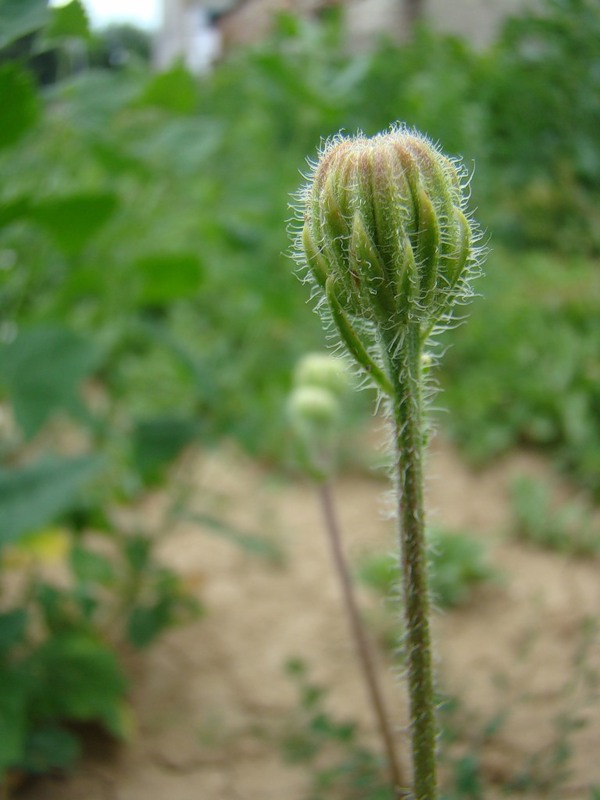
73	220
47	546
147	622
31	497
56	608
80	679
175	90
90	567
13	210
157	441
12	628
68	22
251	543
19	107
13	700
171	605
137	552
48	747
42	370
169	276
20	17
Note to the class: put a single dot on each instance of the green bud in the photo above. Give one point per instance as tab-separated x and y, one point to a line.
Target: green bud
323	371
312	407
315	413
384	231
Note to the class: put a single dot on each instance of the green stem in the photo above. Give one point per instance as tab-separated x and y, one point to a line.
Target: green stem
409	435
361	642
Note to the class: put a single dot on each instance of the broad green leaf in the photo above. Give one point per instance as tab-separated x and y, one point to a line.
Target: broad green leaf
175	90
20	17
169	276
42	370
31	497
19	107
80	679
68	22
73	220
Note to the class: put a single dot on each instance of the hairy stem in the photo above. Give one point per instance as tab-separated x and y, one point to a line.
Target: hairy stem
363	649
409	435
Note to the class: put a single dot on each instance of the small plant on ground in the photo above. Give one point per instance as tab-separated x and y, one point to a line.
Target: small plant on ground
70	605
458	564
342	767
386	244
569	529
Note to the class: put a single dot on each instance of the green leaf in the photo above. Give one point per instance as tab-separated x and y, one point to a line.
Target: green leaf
14	687
33	496
75	219
49	747
251	543
43	369
169	276
12	628
80	679
13	210
147	622
55	606
69	22
20	17
137	552
89	567
19	108
175	90
170	605
157	441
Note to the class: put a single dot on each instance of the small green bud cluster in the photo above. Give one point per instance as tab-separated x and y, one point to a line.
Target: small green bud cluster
314	409
385	237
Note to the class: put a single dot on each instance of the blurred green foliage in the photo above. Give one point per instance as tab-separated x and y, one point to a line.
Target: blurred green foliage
341	766
146	301
148	214
526	367
458	565
569	528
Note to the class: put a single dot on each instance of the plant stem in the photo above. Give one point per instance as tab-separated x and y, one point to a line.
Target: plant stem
363	649
409	434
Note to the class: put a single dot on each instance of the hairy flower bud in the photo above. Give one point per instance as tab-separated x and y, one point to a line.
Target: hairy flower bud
384	235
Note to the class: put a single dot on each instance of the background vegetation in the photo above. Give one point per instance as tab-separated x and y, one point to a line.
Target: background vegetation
147	302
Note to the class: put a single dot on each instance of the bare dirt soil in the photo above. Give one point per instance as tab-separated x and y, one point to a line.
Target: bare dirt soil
211	699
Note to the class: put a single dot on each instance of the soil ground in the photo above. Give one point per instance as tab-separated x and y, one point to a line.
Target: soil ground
212	698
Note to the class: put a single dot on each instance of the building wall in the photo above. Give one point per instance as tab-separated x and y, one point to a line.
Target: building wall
190	24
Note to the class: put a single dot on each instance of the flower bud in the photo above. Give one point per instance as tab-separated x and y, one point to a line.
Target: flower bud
323	371
314	413
313	409
385	236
